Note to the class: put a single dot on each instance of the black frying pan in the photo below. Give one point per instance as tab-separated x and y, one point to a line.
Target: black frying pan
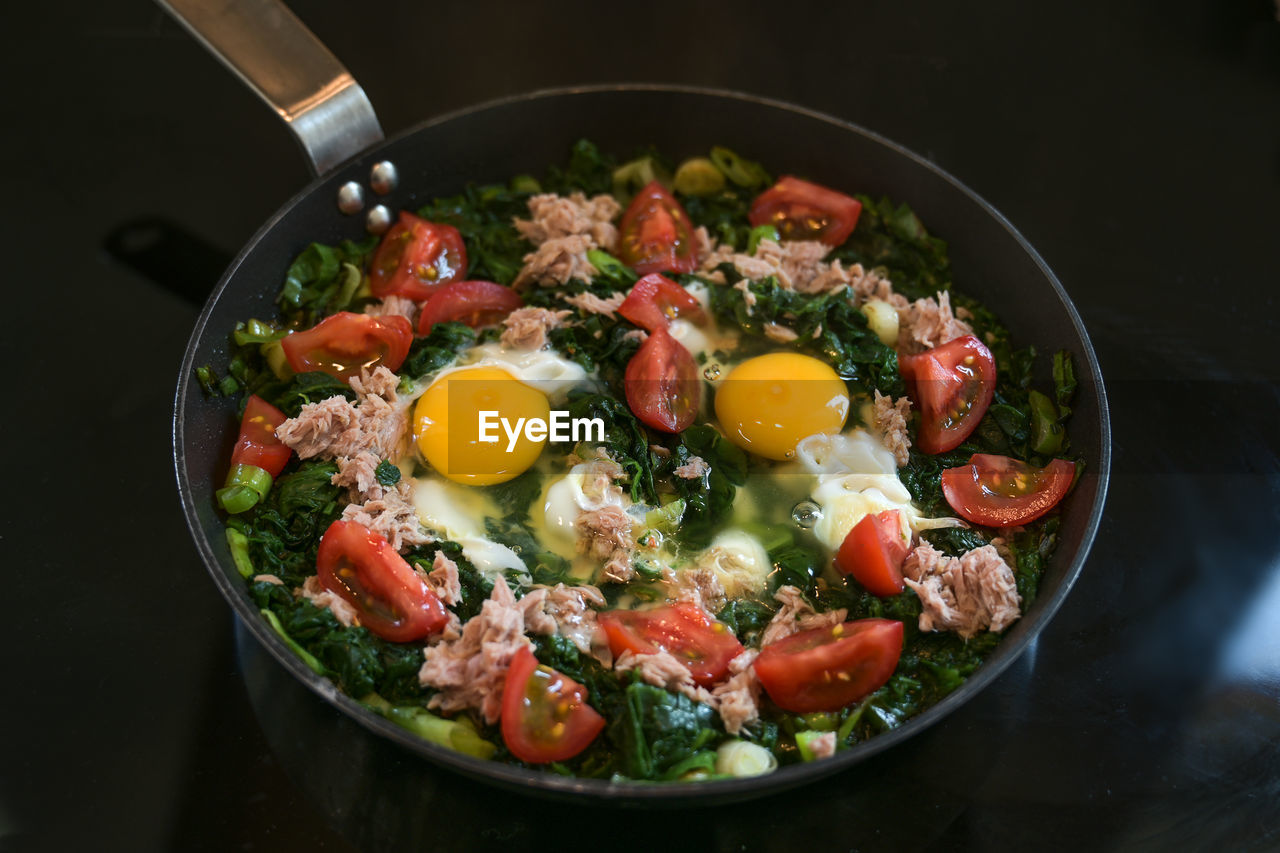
524	134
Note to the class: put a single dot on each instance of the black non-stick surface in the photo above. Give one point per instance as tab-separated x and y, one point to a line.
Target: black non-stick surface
1137	150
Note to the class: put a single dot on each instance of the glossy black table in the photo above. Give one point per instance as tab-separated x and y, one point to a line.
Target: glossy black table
1137	149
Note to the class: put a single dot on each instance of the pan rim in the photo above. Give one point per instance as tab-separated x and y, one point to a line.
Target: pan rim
640	793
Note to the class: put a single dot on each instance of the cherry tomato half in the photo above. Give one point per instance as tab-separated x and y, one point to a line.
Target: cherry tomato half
345	343
824	669
997	491
476	303
416	258
655	300
360	566
801	210
662	384
952	384
873	552
257	444
655	234
545	715
684	630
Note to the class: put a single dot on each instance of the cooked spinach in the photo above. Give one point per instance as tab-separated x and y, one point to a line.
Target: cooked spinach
323	280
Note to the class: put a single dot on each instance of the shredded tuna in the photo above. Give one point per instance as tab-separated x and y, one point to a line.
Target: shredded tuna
589	303
336	427
271	579
557	262
342	610
699	584
661	669
556	216
567	611
391	516
703	243
358	474
659	451
891	419
469	668
824	745
797	615
526	328
694	469
927	323
393	305
605	534
963	594
444	579
639	335
782	334
748	298
738	698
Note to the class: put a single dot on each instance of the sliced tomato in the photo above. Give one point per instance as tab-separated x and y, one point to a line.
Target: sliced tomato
257	444
655	300
545	715
996	491
873	552
655	233
801	210
345	343
363	569
476	303
824	669
416	258
952	385
684	630
662	384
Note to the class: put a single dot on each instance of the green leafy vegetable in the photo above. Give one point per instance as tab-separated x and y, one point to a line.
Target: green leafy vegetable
323	280
656	729
386	474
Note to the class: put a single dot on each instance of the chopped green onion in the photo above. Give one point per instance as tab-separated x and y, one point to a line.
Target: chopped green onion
760	232
698	176
458	735
666	517
206	377
309	659
276	360
630	178
846	728
1046	432
228	386
256	332
804	740
237	499
239	545
744	173
352	278
743	758
821	721
525	184
258	479
697	766
611	268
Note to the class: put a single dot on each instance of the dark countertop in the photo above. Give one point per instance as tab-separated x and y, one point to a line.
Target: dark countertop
1138	150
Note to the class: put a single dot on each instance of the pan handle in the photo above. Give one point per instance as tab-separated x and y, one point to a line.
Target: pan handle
274	53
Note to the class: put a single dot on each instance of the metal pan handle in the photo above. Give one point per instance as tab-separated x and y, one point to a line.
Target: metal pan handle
274	53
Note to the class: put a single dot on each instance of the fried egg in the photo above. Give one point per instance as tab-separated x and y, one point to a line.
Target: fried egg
458	513
767	404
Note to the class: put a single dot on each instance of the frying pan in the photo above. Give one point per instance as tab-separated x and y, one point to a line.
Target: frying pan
264	44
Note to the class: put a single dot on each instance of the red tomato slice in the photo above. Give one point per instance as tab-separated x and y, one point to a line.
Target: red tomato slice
655	233
257	444
545	715
655	300
873	552
476	303
345	343
662	384
996	491
824	669
417	257
801	210
684	630
952	385
393	602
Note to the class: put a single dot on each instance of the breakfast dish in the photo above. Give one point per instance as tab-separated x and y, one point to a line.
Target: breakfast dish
642	471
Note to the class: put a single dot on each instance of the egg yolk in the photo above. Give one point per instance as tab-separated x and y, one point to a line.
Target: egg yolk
767	404
446	425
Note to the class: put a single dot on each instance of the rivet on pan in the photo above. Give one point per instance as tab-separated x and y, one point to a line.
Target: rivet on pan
384	177
378	220
351	198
